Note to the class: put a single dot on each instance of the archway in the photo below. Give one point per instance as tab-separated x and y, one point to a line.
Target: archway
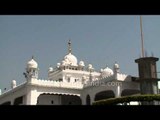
18	101
104	95
6	103
58	99
128	92
70	100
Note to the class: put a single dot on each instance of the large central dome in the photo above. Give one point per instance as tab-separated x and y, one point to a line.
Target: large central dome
70	59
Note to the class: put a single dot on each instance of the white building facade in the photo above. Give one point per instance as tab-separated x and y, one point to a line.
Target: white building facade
69	83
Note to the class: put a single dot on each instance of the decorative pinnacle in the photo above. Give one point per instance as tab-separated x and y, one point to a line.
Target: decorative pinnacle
32	57
69	46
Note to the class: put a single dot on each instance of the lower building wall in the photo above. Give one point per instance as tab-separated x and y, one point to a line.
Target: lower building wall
58	100
49	100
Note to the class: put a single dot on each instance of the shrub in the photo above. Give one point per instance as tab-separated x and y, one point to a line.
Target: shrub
125	99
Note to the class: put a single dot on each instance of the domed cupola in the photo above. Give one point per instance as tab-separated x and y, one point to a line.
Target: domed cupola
90	68
31	69
81	64
50	69
116	68
32	64
69	59
106	72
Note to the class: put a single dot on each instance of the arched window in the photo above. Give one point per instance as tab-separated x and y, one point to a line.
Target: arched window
104	95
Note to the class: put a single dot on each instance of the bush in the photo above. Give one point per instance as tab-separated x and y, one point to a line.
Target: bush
125	99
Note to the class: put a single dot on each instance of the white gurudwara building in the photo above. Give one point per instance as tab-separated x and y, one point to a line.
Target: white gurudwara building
71	82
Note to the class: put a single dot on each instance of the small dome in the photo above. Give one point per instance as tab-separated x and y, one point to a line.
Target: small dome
32	64
81	63
90	66
50	69
13	82
58	65
101	70
70	59
107	72
116	65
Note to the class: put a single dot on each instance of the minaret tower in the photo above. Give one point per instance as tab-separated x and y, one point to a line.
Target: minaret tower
148	75
31	70
116	70
147	71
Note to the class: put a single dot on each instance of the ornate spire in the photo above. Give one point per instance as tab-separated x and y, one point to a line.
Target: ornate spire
69	46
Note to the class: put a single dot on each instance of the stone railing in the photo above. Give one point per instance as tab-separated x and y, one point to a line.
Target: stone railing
9	90
49	83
